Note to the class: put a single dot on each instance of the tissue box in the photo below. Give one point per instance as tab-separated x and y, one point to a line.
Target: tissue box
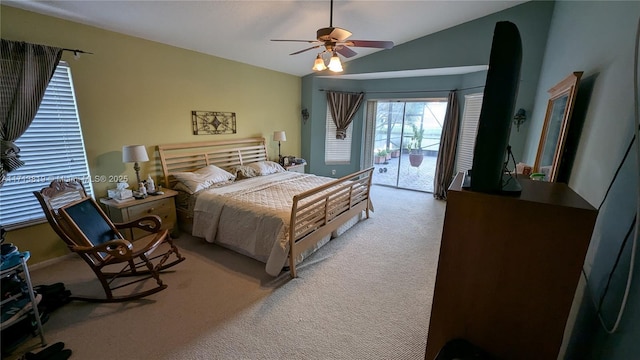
120	194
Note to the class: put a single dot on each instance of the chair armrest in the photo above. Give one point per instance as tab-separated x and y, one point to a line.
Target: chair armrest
150	223
117	248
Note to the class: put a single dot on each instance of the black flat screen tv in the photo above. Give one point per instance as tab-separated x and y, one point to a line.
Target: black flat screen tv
496	114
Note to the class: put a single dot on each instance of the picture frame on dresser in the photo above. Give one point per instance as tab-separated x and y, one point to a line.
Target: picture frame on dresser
562	97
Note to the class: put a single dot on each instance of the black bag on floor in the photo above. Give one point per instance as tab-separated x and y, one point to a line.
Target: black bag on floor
53	296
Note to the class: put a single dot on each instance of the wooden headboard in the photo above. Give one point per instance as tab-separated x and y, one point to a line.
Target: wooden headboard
223	154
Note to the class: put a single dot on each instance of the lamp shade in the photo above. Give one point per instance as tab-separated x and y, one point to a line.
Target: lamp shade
134	153
318	64
279	136
334	63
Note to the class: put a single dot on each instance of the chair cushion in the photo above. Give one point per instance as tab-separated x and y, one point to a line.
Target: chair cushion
91	222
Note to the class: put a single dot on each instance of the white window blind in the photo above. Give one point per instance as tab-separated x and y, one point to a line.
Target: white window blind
52	148
336	151
467	141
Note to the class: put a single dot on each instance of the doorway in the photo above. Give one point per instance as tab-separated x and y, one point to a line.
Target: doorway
406	139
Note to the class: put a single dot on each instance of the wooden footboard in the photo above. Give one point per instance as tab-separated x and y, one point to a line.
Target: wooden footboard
318	212
314	214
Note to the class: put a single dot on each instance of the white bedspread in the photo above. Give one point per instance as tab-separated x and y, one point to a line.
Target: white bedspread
251	216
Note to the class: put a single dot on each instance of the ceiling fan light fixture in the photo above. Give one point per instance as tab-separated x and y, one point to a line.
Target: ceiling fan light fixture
334	64
319	65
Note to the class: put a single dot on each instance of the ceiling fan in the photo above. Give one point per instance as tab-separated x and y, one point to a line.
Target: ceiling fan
334	40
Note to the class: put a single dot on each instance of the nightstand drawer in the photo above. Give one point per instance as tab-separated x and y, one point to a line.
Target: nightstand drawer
161	207
164	208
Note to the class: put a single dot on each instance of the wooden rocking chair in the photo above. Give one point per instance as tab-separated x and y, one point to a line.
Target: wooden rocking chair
88	232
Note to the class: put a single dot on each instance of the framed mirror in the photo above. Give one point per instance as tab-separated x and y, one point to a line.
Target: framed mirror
556	123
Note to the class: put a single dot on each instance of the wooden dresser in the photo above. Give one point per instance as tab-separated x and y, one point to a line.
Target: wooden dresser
508	269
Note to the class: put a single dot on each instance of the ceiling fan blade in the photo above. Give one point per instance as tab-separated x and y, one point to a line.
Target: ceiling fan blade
345	51
307	49
306	41
370	44
339	34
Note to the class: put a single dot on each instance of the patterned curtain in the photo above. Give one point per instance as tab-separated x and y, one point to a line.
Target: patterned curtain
343	108
26	72
445	165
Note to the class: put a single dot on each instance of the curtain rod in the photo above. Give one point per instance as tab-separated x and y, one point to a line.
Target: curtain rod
77	51
416	91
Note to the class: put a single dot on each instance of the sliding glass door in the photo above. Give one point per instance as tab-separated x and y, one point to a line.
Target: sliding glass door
405	142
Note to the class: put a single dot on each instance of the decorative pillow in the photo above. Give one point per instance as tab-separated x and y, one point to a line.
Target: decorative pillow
201	179
243	172
267	167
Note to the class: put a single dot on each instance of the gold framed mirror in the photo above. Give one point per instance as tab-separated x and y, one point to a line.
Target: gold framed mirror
556	123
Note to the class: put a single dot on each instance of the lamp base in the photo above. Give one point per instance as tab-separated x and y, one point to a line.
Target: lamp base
136	167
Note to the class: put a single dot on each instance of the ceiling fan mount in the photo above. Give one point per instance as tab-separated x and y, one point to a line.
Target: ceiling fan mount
332	34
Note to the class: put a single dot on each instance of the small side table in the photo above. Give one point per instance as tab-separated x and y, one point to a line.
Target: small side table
296	168
162	205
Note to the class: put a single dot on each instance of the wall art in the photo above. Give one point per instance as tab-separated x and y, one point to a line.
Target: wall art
213	122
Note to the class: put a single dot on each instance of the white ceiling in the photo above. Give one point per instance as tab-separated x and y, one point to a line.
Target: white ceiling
241	30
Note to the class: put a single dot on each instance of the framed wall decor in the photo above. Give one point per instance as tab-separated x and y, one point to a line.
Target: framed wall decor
556	123
213	122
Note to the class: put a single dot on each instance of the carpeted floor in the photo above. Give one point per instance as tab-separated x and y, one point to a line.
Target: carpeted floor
365	295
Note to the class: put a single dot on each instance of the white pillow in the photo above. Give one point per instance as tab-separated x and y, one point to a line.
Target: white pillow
203	178
267	167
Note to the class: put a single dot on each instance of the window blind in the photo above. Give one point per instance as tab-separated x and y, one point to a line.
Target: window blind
52	148
336	151
466	144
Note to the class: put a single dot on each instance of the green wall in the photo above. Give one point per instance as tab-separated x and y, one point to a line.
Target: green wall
468	44
134	91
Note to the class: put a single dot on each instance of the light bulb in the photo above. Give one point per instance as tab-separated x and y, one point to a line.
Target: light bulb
334	64
318	65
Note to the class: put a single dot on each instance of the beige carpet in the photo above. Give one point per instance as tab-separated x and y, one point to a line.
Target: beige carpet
365	295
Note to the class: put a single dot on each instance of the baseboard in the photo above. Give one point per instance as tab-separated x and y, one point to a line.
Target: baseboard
48	262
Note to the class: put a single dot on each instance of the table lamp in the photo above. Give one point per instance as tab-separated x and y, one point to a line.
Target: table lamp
135	154
279	136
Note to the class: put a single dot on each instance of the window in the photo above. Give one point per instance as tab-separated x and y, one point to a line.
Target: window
470	117
52	148
336	151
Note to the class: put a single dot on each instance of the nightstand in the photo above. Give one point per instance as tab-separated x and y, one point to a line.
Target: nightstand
295	168
162	205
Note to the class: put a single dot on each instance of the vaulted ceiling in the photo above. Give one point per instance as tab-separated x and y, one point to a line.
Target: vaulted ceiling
241	30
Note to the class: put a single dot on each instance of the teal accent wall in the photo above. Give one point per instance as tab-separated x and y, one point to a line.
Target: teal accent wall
598	37
468	44
560	37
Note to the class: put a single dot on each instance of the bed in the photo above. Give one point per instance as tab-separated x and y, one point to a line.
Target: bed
265	212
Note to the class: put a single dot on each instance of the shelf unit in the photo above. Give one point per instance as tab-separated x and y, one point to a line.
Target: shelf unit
22	269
